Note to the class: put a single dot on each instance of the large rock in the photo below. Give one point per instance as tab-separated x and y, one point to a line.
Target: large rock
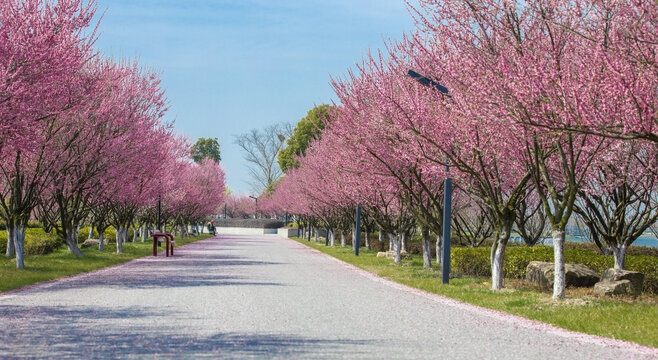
607	288
391	255
89	243
636	279
541	273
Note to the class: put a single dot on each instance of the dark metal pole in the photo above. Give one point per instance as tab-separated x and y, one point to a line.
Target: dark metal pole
159	229
447	195
357	234
447	207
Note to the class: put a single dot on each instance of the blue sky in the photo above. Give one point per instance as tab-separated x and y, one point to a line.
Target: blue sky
233	65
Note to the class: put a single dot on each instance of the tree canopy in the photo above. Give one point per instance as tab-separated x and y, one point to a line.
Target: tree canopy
308	129
206	149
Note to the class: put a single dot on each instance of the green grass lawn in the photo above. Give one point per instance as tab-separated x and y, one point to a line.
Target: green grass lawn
630	319
60	263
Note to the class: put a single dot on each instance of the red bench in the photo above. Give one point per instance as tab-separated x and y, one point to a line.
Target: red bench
168	238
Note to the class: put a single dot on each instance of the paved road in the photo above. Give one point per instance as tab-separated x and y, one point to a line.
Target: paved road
265	297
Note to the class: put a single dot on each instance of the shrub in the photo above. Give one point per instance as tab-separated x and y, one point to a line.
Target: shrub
475	262
37	242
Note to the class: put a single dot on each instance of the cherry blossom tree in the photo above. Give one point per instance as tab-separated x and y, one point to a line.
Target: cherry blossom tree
43	49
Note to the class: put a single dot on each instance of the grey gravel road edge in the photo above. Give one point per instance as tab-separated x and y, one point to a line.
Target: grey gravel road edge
268	297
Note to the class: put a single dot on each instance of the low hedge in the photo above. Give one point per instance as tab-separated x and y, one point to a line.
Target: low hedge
37	242
475	262
250	223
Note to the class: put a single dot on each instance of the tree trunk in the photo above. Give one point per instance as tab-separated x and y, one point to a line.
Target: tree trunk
390	242
498	258
343	241
101	240
497	267
396	248
134	234
559	283
405	248
91	231
427	254
144	232
125	235
332	238
11	250
19	240
119	240
367	234
438	248
380	236
315	231
72	243
620	256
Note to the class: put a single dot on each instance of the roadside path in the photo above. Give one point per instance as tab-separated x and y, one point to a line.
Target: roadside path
268	297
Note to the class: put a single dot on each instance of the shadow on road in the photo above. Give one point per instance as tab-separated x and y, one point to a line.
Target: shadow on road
76	332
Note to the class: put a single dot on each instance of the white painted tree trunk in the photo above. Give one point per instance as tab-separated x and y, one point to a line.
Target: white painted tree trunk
381	235
404	242
101	241
620	257
367	238
315	231
497	267
119	237
72	243
125	235
144	232
343	240
438	248
559	283
11	250
498	258
332	238
19	240
396	248
134	234
427	253
91	231
390	242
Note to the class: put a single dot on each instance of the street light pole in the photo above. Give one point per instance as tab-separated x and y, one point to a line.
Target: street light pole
357	233
159	229
255	198
447	188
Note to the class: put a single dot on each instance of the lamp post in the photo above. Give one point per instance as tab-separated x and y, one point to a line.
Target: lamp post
447	188
255	198
357	232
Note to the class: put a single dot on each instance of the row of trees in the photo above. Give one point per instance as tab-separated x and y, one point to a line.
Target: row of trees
550	111
83	136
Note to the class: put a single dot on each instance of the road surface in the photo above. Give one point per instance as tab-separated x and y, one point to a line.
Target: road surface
268	297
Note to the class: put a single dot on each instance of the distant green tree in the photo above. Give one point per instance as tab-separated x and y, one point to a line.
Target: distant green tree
308	129
206	149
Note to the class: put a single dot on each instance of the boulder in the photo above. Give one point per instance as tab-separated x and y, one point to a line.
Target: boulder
89	243
636	279
391	255
540	273
607	288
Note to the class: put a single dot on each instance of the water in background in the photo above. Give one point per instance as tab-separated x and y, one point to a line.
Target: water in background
649	241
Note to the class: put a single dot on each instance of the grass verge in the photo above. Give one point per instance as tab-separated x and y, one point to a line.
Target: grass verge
60	263
623	318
